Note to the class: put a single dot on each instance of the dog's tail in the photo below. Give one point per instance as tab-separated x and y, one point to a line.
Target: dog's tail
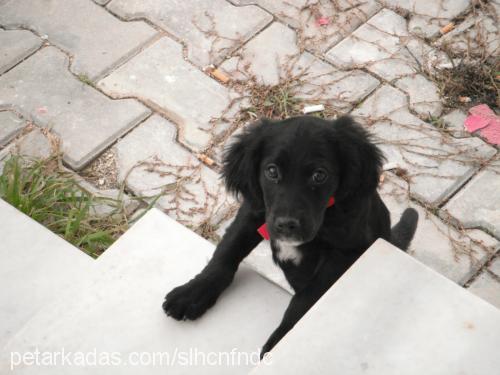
402	233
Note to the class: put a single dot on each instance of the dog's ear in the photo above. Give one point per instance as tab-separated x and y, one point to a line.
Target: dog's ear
241	164
360	160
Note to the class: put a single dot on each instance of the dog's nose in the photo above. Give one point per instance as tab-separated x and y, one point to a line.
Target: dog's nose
286	225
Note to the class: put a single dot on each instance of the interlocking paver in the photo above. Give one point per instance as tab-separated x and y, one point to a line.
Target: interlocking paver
428	16
42	88
274	56
160	75
454	122
320	24
33	145
487	286
106	208
423	94
149	159
455	255
211	29
435	163
478	203
495	266
266	57
478	34
96	40
10	124
15	45
378	39
384	47
383	102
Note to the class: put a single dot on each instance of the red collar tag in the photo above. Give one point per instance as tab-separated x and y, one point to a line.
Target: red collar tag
263	228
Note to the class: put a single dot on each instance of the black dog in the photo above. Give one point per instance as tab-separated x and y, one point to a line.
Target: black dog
313	182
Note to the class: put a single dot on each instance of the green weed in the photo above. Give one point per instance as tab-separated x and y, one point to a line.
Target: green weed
43	190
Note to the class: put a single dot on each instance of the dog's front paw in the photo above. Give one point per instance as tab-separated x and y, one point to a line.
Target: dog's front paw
191	300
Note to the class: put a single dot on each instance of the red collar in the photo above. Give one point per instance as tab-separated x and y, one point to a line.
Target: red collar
263	228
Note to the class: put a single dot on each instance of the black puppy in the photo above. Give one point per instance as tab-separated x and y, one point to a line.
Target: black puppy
314	184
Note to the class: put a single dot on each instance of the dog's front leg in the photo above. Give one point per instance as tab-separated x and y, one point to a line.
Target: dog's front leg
191	300
304	299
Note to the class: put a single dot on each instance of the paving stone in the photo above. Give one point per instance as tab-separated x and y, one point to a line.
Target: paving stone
379	38
454	122
487	287
86	121
161	76
10	124
211	29
425	27
495	266
266	57
96	40
274	56
435	163
383	102
343	16
150	159
458	256
428	58
477	35
423	94
384	47
428	16
33	145
478	203
15	45
107	205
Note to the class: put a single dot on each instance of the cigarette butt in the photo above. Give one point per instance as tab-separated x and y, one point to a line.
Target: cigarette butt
447	28
464	99
313	108
381	179
205	159
217	74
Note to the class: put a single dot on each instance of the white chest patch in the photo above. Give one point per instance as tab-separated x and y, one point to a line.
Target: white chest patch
287	251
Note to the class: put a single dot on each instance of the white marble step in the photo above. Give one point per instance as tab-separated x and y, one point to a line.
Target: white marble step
36	266
119	311
390	314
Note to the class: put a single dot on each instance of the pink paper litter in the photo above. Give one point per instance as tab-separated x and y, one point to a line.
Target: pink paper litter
483	118
492	134
482	110
323	21
473	123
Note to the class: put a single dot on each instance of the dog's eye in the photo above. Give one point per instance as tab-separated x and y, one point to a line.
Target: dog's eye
272	172
319	176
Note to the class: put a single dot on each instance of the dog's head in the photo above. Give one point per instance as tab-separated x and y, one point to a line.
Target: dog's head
291	168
